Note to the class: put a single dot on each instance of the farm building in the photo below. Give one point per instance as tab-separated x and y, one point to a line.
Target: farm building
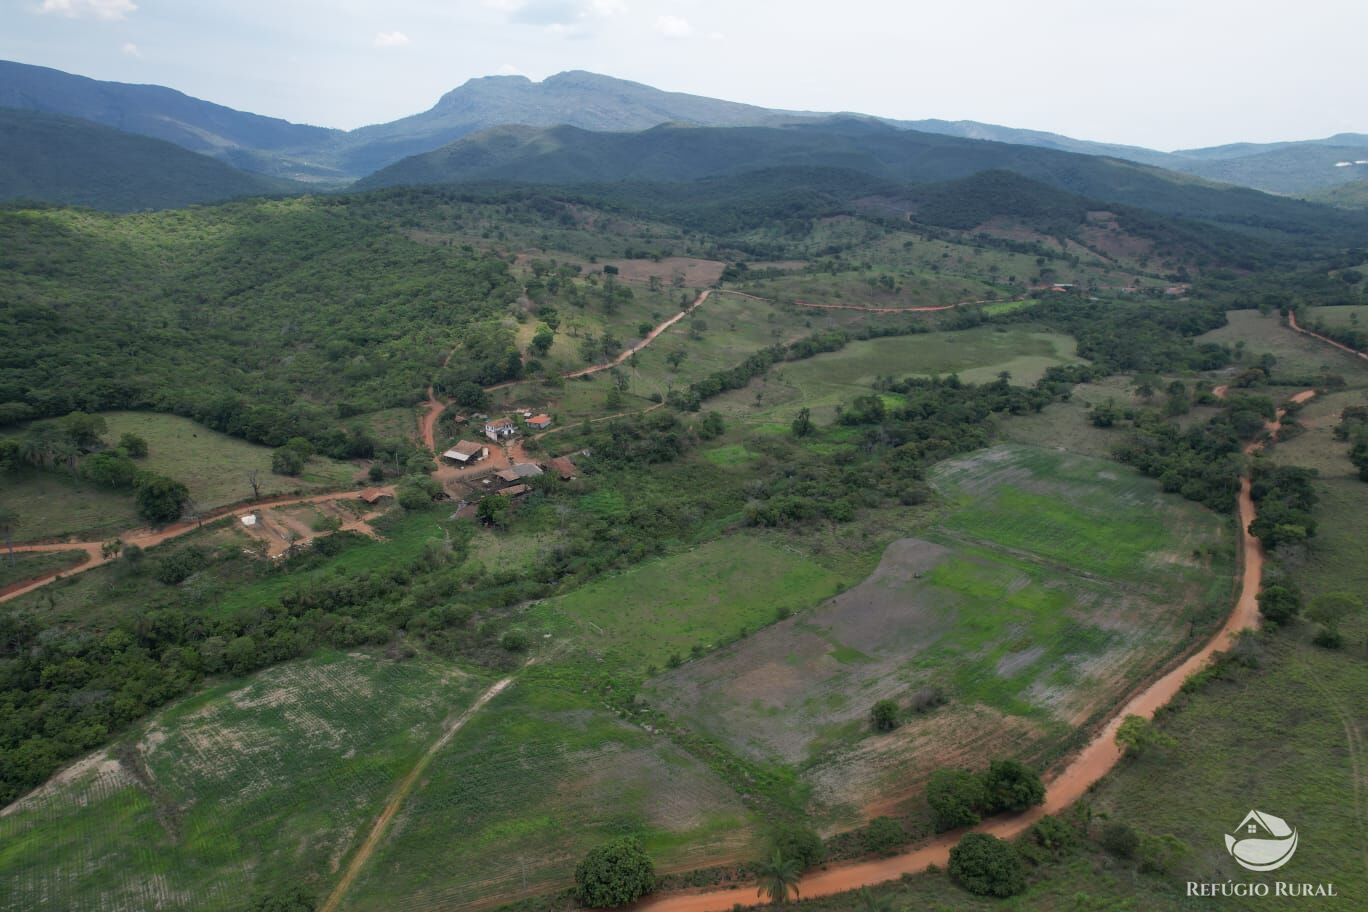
539	422
374	496
516	490
520	471
466	452
562	466
497	429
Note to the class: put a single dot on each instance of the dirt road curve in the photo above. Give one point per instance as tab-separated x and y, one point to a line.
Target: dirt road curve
647	340
901	310
1292	324
401	792
148	538
1070	784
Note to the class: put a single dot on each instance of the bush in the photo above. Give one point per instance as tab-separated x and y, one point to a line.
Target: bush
287	461
283	899
133	446
1010	786
1328	638
376	472
956	797
799	843
515	640
417	492
161	500
1279	604
1163	854
614	874
884	836
1137	734
1054	835
180	565
987	866
884	716
1120	840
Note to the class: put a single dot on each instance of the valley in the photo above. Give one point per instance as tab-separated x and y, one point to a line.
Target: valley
749	506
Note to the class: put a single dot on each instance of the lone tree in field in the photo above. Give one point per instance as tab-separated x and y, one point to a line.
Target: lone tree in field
802	423
614	874
778	878
884	716
8	520
987	866
161	500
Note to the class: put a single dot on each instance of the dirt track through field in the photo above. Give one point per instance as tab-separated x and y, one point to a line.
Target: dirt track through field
400	793
1292	325
645	341
1069	785
898	310
149	538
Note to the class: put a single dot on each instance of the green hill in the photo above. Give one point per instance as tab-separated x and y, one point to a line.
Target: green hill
1351	196
567	155
56	159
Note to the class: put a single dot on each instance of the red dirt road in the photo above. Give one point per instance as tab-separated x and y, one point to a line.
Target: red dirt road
148	538
1066	787
647	340
1292	324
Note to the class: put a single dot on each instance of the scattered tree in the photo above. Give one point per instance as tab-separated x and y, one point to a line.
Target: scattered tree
884	715
778	877
987	866
614	874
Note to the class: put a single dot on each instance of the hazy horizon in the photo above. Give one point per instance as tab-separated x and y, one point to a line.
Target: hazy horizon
1168	77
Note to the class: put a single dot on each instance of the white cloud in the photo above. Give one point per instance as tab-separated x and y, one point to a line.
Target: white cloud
131	49
108	10
390	39
716	36
509	69
673	27
607	8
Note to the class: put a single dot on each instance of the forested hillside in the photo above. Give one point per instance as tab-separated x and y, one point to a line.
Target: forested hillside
566	155
263	319
64	160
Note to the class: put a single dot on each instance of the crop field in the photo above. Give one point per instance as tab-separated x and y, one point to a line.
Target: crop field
979	607
827	380
1296	354
527	786
695	598
247	783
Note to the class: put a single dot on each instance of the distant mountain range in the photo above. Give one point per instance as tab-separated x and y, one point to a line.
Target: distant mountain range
591	102
55	159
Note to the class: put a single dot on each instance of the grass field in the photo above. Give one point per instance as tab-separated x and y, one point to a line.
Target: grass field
57	505
213	466
26	566
1345	315
528	786
822	382
982	606
1296	354
696	598
245	785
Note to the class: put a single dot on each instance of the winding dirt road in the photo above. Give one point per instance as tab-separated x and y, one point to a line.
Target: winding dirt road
1063	789
645	340
1292	325
148	538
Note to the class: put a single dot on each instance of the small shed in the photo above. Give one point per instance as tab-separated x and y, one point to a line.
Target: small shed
563	466
374	496
516	490
466	452
539	422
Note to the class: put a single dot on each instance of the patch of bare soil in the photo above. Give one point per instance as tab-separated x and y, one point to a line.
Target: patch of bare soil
773	694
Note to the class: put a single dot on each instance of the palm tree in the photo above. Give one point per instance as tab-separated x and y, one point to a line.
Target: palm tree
779	878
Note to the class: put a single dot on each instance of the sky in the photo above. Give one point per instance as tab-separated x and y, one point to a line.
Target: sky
1157	73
